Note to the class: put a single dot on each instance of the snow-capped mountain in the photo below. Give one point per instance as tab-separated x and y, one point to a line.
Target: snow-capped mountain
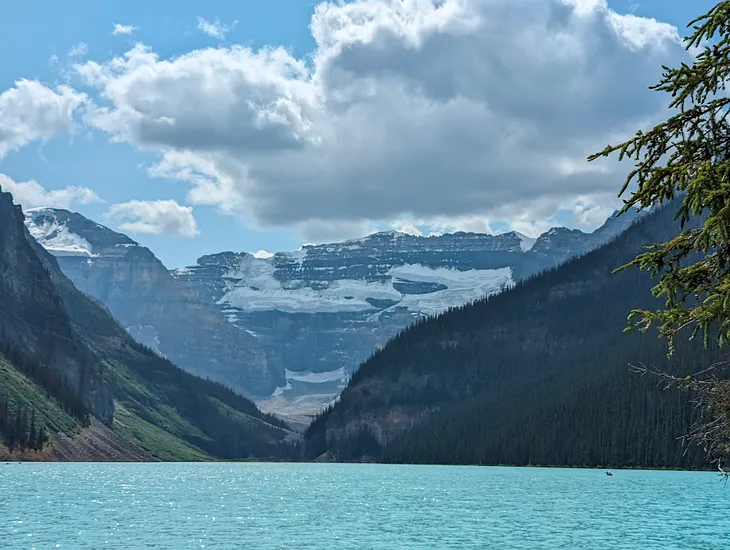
153	306
325	308
289	328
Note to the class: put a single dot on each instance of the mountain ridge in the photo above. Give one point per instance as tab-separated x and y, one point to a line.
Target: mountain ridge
535	375
72	380
320	311
140	291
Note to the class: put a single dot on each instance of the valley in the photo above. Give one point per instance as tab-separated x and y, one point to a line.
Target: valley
288	329
364	274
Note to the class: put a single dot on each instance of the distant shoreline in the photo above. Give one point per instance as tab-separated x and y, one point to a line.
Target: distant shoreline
17	461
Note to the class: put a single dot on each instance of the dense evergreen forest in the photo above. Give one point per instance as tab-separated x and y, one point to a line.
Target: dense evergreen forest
539	374
229	425
50	380
20	426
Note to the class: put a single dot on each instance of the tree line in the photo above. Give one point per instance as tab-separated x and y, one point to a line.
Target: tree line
49	380
20	428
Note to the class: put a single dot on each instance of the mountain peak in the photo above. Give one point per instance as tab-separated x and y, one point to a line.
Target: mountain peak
526	243
66	233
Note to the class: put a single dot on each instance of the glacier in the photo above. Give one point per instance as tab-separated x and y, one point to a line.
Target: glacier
253	287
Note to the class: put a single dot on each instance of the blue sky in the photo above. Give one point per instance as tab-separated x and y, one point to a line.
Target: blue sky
39	34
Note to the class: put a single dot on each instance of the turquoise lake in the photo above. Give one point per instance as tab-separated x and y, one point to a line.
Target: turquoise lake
322	506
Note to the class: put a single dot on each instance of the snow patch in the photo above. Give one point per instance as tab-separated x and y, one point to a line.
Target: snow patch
526	243
56	237
338	375
252	287
146	335
462	286
279	390
258	290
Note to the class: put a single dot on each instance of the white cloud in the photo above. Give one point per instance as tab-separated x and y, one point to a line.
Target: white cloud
78	50
406	110
165	217
590	212
31	194
215	29
30	111
407	227
123	29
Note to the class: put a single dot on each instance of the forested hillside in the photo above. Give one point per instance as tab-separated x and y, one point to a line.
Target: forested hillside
74	384
535	375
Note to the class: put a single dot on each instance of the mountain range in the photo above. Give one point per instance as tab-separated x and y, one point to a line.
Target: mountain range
536	375
531	368
289	329
74	385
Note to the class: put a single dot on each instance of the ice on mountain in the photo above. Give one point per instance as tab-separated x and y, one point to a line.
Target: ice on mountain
526	243
281	389
252	286
54	236
338	375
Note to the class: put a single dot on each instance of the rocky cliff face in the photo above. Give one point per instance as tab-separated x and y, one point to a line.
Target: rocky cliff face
156	309
34	318
321	311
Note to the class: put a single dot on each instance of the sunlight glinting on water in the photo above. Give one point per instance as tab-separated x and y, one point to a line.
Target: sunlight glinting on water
316	506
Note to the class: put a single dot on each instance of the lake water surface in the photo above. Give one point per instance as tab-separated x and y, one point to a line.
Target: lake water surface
322	506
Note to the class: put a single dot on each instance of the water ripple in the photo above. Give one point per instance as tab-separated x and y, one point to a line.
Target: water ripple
321	506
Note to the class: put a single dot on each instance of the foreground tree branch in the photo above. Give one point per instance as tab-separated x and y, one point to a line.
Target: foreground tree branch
711	394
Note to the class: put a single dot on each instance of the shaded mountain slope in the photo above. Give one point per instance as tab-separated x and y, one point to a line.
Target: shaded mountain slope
150	303
66	366
536	375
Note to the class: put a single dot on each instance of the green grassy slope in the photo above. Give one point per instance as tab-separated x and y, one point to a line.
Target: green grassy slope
19	390
67	361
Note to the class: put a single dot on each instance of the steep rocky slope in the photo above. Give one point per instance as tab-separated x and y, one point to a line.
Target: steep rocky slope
321	311
69	370
156	309
536	375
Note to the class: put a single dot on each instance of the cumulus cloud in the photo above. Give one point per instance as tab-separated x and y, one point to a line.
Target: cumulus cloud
163	217
31	111
31	194
123	29
78	50
405	110
215	29
592	211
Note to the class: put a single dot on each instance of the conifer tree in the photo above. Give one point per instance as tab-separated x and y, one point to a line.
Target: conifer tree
687	156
